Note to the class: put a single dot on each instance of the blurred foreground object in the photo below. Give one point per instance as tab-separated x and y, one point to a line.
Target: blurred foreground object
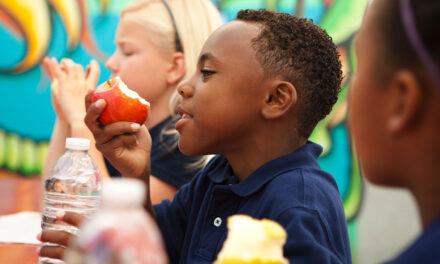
73	184
252	241
121	232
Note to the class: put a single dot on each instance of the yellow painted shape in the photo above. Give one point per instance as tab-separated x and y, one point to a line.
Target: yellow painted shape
70	14
33	18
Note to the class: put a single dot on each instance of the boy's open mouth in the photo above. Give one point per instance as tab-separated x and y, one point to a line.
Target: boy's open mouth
183	114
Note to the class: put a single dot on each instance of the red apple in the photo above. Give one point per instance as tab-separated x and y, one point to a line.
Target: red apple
122	104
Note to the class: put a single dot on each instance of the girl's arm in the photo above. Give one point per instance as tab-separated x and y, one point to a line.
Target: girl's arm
56	145
80	129
69	88
160	190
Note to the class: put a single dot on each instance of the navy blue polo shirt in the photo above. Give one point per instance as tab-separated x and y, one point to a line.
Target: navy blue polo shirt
292	190
167	162
426	249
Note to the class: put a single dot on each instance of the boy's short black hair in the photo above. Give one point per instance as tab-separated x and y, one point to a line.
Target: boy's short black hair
303	54
395	51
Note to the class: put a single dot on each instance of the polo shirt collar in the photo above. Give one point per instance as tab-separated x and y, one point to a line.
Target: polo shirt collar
303	157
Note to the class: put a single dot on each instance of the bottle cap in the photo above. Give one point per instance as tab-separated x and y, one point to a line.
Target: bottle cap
77	143
123	192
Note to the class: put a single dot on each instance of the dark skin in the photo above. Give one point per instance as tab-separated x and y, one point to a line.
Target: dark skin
398	139
58	237
228	107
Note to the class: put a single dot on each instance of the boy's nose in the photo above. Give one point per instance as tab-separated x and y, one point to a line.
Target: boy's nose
185	89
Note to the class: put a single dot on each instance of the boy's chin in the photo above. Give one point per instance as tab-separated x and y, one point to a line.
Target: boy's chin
189	150
382	179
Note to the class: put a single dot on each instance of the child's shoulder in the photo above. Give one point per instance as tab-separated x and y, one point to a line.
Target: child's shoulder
296	176
310	188
424	249
299	182
306	186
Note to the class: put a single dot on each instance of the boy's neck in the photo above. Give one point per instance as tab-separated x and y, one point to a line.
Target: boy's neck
422	169
246	161
427	197
422	177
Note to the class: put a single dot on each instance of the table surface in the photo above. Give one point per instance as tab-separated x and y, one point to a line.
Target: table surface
16	195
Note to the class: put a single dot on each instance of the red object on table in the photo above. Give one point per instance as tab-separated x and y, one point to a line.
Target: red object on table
16	195
18	253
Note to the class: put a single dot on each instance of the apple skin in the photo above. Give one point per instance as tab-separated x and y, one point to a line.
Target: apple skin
119	106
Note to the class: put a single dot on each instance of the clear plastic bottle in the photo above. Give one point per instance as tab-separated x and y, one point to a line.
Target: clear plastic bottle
72	184
121	232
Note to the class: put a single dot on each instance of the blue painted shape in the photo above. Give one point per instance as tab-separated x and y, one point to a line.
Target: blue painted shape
13	48
26	108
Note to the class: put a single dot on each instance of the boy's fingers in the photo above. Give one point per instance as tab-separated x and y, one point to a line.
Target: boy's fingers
93	112
73	218
56	252
124	139
88	98
125	131
56	236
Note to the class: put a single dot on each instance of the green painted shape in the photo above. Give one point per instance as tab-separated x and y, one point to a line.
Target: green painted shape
41	154
271	4
352	55
353	235
240	4
321	136
342	95
343	18
12	152
28	157
353	199
2	148
114	7
321	133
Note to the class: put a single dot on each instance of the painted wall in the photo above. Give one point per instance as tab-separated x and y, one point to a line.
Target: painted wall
84	29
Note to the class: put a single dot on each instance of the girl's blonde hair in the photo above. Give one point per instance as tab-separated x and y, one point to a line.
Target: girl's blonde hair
195	21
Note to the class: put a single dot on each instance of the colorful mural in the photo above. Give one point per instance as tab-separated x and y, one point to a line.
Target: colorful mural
30	30
84	29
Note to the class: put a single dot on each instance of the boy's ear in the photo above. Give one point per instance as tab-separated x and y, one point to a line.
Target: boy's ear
177	68
280	98
405	102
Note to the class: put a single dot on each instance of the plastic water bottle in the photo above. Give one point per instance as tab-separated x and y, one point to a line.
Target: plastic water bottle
73	184
121	231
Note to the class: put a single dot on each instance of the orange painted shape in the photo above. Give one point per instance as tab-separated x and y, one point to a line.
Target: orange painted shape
10	23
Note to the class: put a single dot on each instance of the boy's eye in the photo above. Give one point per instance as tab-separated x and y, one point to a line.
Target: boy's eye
206	73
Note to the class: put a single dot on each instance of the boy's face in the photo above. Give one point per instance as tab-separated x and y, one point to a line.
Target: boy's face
221	101
367	103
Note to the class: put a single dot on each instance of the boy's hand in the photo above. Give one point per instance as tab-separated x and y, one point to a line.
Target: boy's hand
61	238
126	145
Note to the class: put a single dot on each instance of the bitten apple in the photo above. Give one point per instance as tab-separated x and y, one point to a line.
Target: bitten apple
122	104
